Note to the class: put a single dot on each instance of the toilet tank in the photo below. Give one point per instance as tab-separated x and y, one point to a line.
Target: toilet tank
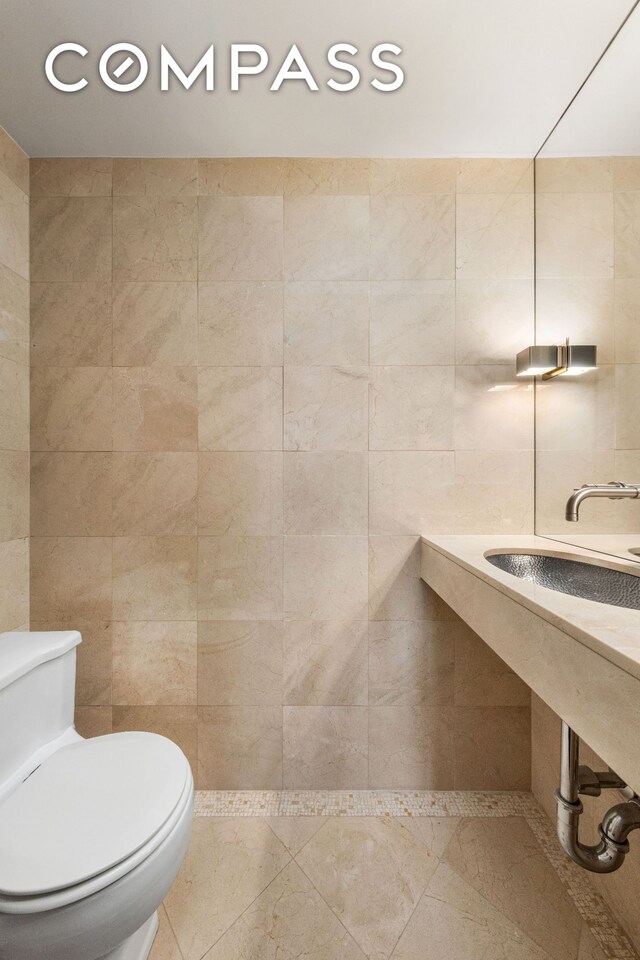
37	695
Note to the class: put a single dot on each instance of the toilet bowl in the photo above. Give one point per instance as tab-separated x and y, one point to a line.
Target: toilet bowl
92	832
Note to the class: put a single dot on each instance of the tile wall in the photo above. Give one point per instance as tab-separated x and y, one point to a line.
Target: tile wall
254	384
14	385
588	288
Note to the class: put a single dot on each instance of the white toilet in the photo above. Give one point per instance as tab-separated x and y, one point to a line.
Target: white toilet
92	832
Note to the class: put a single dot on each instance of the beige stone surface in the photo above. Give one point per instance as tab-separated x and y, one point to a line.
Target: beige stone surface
494	236
155	409
240	408
71	409
411	408
326	323
241	177
412	321
318	176
155	178
154	238
71	324
240	663
325	578
14	402
155	494
70	578
240	748
240	323
325	663
325	408
325	492
412	663
326	238
14	494
411	747
326	746
71	494
155	324
575	235
397	484
240	493
154	662
240	238
14	316
14	227
71	238
71	177
240	578
155	578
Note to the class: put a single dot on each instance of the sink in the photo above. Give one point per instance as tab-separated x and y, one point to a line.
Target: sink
585	580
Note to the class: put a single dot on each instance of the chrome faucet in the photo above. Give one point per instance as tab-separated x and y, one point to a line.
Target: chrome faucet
615	490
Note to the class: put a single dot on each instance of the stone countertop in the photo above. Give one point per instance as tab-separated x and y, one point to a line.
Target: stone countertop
612	632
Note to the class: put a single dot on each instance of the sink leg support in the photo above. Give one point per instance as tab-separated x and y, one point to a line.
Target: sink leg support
608	854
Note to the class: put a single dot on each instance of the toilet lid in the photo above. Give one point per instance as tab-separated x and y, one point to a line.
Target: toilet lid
88	807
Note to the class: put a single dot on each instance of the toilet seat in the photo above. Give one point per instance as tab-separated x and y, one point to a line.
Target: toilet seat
92	812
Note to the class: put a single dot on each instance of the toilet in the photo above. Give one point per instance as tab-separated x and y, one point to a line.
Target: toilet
92	831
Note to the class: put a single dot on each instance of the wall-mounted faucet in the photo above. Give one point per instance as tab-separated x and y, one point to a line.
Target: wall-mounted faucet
615	490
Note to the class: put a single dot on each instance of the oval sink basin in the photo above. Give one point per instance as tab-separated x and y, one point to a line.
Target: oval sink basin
585	580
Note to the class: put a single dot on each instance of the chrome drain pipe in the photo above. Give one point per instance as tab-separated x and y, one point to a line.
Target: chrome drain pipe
608	854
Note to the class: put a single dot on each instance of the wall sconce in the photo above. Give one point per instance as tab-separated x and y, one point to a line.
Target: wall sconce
553	361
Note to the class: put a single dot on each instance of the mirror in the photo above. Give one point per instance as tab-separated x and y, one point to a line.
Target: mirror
587	198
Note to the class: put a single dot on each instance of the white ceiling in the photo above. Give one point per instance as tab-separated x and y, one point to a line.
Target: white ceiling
483	77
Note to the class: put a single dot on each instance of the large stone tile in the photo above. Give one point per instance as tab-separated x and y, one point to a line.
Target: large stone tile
14	162
241	177
494	318
154	663
412	237
14	583
627	235
579	174
71	578
396	589
71	494
502	861
372	874
71	408
411	747
14	494
494	491
14	227
14	403
453	922
240	748
290	920
93	721
326	323
240	408
155	178
240	493
411	408
240	324
397	484
325	578
590	949
584	310
412	177
240	578
14	316
411	663
325	748
71	176
155	238
325	663
325	492
295	832
326	238
482	679
71	238
155	324
434	832
155	409
492	748
494	175
240	663
155	494
502	419
494	236
325	408
240	238
155	578
165	946
575	235
71	324
326	177
229	863
412	322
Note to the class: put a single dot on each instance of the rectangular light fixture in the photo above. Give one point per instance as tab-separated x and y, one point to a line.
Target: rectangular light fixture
553	361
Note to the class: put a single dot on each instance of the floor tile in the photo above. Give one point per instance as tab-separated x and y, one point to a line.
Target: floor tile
165	945
229	863
372	873
289	921
295	832
502	861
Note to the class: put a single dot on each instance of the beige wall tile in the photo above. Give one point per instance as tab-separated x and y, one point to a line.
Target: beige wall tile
14	583
155	178
411	747
396	590
582	310
494	320
500	420
574	235
14	162
14	403
494	175
94	659
241	177
397	485
240	578
154	578
240	494
154	663
14	494
71	494
325	408
154	239
14	316
71	177
240	408
325	663
627	328
155	409
240	748
627	235
626	173
494	491
326	238
588	412
412	322
71	408
71	324
71	238
574	174
411	408
326	747
325	493
155	494
326	323
240	324
14	227
412	238
240	238
558	473
494	236
70	578
397	178
155	324
177	723
325	578
482	679
93	721
326	177
411	663
627	426
240	664
492	748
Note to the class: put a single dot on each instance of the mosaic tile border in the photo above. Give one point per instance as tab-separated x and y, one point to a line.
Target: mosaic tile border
612	940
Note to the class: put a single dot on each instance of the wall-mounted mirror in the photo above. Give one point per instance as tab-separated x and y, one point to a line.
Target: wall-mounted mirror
587	194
